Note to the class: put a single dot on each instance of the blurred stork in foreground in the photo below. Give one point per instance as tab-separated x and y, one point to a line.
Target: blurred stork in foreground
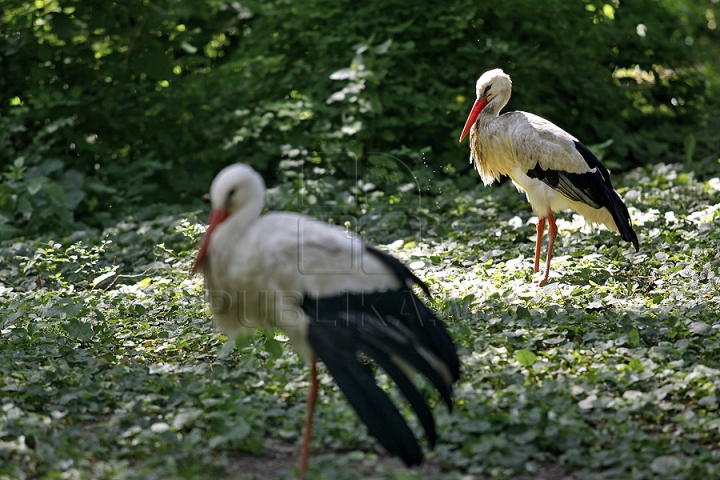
335	297
552	167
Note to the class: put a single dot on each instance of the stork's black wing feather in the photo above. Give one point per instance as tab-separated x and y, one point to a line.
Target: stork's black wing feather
406	277
409	390
429	329
593	188
387	327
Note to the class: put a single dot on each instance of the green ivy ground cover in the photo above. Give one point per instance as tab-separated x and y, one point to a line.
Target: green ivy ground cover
111	368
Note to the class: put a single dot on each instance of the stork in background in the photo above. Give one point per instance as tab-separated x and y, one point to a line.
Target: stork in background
554	169
335	297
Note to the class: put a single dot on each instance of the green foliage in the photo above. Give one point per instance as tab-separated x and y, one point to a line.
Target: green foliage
105	106
86	117
110	367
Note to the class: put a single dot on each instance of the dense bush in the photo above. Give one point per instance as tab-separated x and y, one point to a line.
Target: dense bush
108	105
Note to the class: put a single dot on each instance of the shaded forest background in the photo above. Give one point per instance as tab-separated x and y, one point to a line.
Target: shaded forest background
111	107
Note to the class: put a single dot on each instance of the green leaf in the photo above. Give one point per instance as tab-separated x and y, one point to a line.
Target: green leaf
636	365
634	337
383	47
56	311
525	357
242	340
690	144
78	329
24	206
273	347
238	431
185	416
226	350
36	184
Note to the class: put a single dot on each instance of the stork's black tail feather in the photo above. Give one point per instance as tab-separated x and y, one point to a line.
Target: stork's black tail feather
620	214
609	198
395	329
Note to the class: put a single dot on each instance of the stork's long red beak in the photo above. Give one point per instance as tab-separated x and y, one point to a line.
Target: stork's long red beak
217	216
480	103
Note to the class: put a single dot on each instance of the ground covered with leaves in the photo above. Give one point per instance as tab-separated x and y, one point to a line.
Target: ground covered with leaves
111	368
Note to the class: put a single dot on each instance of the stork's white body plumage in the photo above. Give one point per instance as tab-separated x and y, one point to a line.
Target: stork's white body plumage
554	169
514	143
334	296
300	255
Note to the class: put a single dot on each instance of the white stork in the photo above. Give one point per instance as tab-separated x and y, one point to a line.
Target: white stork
554	169
335	297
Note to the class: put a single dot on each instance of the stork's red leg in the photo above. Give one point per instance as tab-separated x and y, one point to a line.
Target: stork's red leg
538	243
552	233
311	398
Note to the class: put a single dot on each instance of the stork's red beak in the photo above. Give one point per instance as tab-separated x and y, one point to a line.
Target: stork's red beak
480	103
217	216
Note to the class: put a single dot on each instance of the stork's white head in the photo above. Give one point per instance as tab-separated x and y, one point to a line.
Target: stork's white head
493	88
494	83
237	189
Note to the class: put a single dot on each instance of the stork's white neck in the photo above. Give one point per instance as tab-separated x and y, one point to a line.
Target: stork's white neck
238	222
486	149
492	110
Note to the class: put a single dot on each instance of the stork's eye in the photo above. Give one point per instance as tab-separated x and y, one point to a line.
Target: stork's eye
228	199
487	89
